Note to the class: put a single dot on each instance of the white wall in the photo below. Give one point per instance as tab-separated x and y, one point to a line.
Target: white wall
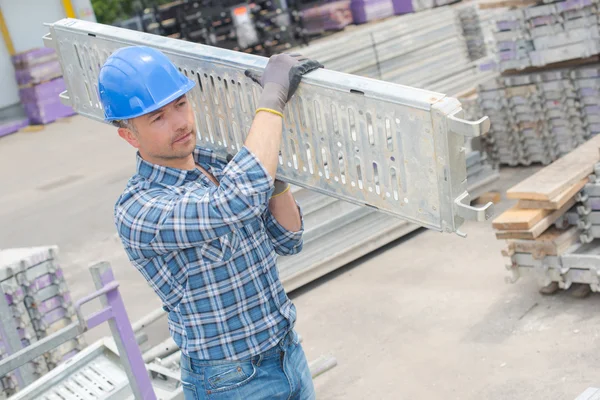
25	20
9	94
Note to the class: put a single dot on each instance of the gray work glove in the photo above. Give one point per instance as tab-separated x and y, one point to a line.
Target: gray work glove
281	78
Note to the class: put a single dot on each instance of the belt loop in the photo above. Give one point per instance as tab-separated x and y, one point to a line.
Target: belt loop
185	362
260	357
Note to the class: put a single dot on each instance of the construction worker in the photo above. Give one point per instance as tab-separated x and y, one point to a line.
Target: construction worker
205	232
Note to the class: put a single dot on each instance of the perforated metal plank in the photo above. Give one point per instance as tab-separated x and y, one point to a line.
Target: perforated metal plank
387	146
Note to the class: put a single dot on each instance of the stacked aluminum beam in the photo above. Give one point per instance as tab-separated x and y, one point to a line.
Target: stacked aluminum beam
540	116
546	34
39	300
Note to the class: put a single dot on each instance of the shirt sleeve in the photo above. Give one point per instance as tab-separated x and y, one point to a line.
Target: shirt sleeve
152	223
285	242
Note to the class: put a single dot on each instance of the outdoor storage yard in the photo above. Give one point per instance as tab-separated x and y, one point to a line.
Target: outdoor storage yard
426	317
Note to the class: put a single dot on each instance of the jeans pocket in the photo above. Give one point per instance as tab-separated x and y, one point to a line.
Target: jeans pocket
190	391
221	378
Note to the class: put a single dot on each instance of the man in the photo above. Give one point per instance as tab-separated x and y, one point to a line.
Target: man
205	233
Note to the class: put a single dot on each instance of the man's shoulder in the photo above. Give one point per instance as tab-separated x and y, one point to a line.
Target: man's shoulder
138	192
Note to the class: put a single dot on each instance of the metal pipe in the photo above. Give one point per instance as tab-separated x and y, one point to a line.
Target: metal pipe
161	350
321	365
148	319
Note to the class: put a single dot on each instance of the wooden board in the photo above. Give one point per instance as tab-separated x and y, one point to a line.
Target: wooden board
557	177
556	202
538	228
553	242
519	219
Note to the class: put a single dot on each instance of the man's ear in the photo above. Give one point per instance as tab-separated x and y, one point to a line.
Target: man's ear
129	136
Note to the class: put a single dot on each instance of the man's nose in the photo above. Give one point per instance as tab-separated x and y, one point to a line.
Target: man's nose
179	122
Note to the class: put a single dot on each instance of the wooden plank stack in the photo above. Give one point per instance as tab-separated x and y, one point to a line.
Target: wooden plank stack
536	228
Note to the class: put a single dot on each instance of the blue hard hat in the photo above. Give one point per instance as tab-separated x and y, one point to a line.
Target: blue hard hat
137	80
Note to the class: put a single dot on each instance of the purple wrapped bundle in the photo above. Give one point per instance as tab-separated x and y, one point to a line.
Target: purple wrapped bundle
38	73
13	126
325	17
46	91
46	112
403	6
371	10
33	57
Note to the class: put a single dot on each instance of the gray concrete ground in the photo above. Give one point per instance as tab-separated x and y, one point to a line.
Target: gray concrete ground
426	317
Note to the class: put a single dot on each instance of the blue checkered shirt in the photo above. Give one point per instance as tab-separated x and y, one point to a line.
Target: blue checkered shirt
210	252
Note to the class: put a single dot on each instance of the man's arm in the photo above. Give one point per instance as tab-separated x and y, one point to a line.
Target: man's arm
152	222
284	222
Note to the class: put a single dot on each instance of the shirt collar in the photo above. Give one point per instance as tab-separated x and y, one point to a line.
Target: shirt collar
174	176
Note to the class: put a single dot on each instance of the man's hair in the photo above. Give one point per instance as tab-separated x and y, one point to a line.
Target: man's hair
125	123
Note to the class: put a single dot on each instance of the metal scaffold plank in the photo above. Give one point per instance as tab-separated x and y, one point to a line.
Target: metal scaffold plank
394	148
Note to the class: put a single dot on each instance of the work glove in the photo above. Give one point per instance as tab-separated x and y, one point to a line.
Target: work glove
280	80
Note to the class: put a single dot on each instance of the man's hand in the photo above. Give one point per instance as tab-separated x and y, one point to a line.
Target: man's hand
281	79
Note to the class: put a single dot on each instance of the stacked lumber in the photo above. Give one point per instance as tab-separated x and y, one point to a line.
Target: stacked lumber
545	224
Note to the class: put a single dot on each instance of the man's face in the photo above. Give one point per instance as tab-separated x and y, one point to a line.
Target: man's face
165	136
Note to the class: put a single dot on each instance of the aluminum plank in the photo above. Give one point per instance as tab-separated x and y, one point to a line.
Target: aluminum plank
394	148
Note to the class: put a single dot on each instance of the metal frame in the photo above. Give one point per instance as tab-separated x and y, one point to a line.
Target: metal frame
115	314
372	143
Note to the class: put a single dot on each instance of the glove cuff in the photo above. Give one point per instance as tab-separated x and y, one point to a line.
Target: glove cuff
273	97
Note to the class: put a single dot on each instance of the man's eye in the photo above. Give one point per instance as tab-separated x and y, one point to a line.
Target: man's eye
182	103
156	119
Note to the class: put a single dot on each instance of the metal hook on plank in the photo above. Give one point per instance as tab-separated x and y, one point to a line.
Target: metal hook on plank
468	128
471	213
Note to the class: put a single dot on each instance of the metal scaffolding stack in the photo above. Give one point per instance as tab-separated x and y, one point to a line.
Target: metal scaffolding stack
37	304
541	35
541	116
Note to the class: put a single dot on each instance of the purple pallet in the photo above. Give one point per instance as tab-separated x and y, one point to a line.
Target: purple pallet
33	57
38	73
43	92
370	10
47	111
13	126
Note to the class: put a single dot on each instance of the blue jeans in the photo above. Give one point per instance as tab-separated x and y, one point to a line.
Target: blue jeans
279	373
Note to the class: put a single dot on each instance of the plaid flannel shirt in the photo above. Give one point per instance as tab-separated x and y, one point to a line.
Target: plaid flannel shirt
209	252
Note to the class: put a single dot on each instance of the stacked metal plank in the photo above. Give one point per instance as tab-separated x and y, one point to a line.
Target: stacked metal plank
541	116
39	300
473	32
545	34
402	50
